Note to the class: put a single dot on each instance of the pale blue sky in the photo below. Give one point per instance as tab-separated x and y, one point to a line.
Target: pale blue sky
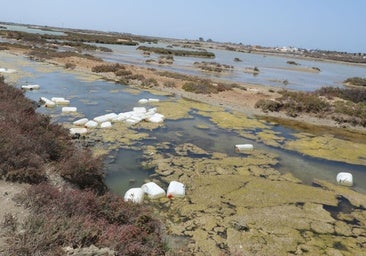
313	24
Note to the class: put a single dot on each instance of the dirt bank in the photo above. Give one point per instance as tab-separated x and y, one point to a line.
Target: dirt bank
8	191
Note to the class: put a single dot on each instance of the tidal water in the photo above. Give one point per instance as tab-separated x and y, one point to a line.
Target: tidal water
93	98
99	97
273	69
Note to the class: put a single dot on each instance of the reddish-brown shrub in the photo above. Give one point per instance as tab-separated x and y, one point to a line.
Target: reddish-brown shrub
81	168
30	142
81	218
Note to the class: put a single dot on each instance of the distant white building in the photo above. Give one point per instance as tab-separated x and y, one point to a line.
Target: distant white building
288	49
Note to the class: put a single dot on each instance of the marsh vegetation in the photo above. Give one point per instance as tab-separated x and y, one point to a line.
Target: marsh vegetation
346	106
213	66
164	51
77	212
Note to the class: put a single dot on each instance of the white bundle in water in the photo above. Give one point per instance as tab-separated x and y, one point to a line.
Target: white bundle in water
31	87
345	179
243	147
69	109
60	101
47	103
81	122
105	118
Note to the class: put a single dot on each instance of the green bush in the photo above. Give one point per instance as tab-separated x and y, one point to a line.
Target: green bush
355	95
269	105
352	110
205	87
70	65
213	66
169	84
304	102
104	68
176	75
357	81
150	82
164	51
47	53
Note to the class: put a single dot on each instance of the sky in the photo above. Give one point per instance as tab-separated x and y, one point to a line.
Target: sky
311	24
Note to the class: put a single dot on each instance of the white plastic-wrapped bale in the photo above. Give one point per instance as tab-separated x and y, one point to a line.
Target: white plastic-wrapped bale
91	124
143	101
152	110
139	110
243	147
69	109
80	122
106	125
345	179
135	195
47	103
60	101
7	70
31	87
153	190
156	118
176	189
133	120
78	130
105	118
122	116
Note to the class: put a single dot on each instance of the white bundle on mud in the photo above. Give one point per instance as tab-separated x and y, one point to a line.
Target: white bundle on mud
135	195
78	130
176	189
153	190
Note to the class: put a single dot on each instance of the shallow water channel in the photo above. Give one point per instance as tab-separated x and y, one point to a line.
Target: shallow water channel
273	69
123	166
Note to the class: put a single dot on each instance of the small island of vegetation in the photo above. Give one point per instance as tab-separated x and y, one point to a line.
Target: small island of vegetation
345	106
164	51
355	81
213	66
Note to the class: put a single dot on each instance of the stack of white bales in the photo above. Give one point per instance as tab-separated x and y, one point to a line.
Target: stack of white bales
154	191
135	116
50	103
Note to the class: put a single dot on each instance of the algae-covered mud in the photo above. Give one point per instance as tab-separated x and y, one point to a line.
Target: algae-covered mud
323	146
329	147
243	206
